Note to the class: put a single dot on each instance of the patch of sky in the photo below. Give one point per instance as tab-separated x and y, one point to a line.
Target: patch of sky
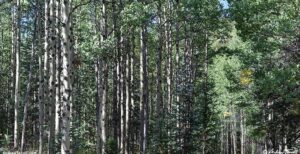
224	3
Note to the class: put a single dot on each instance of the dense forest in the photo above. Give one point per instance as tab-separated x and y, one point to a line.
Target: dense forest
149	76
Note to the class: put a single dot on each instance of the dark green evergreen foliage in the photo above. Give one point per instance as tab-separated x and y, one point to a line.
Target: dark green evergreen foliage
111	146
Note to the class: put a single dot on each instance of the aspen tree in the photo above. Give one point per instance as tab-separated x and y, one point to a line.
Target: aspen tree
17	42
41	82
65	16
52	76
58	72
144	106
159	92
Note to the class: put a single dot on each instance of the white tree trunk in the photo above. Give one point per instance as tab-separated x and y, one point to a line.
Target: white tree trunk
103	106
41	96
17	41
41	84
122	106
58	73
46	65
127	85
242	132
65	13
99	83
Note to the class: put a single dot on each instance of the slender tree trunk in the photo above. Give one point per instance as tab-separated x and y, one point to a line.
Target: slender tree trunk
46	62
41	85
205	92
41	105
119	93
98	70
187	97
119	98
122	87
105	78
128	97
144	91
65	13
122	105
168	33
102	86
159	95
71	61
115	79
131	130
103	105
228	139
17	38
115	101
253	147
52	79
13	51
177	76
26	99
233	132
98	81
169	65
222	137
242	131
57	74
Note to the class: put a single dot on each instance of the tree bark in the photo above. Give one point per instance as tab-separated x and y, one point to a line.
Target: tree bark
13	57
128	97
103	105
168	33
58	73
222	137
159	94
46	63
122	104
102	85
41	87
115	79
131	130
105	77
177	76
52	77
17	41
41	105
233	132
144	91
98	71
65	13
242	131
205	91
169	65
98	81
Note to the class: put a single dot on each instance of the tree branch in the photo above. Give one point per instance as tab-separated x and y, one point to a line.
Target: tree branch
79	5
